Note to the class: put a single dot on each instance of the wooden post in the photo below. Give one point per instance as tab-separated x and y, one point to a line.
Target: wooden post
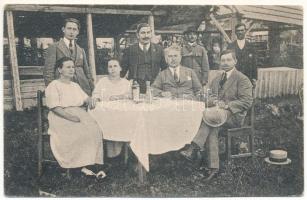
13	61
220	28
274	44
151	22
90	45
250	28
142	174
234	22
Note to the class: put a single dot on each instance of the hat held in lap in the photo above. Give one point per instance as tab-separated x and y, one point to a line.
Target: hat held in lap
214	116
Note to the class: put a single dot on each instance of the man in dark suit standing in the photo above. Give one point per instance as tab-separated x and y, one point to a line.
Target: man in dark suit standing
195	56
232	94
246	60
67	47
143	61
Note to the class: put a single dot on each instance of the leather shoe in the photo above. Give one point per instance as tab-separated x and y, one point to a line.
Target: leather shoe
190	153
211	174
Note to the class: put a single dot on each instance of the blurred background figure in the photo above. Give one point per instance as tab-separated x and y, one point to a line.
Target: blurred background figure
214	54
195	56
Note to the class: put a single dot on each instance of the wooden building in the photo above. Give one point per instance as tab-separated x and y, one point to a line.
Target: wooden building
23	74
32	21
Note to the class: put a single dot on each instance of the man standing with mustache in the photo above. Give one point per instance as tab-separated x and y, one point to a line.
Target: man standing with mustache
67	47
144	60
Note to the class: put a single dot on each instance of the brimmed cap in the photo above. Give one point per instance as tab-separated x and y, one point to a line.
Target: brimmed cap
190	30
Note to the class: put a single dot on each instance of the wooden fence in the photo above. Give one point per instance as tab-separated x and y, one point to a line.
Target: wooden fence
278	81
272	82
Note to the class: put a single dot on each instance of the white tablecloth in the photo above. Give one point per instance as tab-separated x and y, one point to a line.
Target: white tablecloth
165	125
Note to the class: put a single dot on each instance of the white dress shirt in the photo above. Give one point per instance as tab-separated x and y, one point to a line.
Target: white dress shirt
241	43
177	71
229	73
147	46
67	41
191	44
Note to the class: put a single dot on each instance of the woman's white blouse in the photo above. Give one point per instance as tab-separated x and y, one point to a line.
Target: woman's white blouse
104	89
64	94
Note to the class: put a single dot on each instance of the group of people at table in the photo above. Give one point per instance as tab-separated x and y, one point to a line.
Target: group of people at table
175	72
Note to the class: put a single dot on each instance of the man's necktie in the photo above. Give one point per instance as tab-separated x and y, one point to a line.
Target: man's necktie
71	47
223	79
176	78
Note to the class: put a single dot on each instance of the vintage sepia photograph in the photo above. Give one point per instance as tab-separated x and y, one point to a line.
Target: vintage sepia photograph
109	100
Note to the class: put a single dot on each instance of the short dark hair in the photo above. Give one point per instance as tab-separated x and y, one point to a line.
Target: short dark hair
59	63
73	20
115	59
141	25
240	24
229	51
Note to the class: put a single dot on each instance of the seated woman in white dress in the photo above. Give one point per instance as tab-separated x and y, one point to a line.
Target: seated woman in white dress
75	138
112	88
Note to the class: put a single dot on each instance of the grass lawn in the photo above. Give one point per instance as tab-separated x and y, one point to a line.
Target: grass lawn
170	175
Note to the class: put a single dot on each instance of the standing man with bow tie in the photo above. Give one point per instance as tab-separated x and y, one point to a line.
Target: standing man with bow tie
144	60
195	56
67	47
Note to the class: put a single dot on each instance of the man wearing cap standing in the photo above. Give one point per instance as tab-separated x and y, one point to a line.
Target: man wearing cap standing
231	97
195	56
67	47
144	60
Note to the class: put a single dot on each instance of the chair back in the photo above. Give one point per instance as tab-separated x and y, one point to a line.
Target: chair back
250	116
42	112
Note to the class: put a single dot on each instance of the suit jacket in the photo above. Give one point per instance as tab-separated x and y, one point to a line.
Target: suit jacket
82	75
195	57
236	93
246	59
130	61
188	86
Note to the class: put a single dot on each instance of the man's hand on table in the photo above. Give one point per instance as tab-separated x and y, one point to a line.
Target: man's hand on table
221	104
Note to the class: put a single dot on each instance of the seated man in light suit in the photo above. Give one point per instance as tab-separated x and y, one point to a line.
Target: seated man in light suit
232	93
176	81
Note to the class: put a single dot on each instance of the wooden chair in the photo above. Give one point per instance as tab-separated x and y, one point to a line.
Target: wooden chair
246	130
43	137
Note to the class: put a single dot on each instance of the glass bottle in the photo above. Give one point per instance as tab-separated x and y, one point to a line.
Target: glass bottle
135	91
148	92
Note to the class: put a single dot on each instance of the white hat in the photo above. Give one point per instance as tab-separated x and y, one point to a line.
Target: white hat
278	157
215	116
